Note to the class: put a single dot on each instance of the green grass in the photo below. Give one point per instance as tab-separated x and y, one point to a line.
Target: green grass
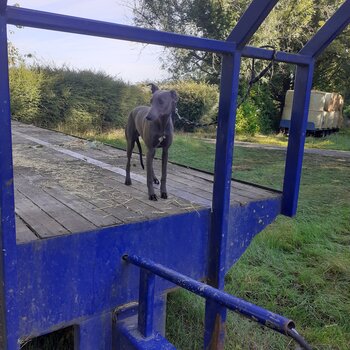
297	267
337	141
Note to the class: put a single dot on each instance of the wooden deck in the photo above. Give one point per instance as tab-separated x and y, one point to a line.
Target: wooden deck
66	185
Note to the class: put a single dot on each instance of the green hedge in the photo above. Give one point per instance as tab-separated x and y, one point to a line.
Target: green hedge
25	90
86	100
81	101
76	100
346	112
198	102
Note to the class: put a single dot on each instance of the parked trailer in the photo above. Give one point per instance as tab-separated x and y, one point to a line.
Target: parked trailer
325	113
65	263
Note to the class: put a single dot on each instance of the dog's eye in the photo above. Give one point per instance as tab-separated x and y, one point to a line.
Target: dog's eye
161	102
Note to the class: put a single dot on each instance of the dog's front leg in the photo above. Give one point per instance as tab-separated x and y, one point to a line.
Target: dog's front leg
163	191
149	163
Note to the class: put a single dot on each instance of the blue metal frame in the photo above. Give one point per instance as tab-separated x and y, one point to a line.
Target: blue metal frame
77	25
211	263
8	248
251	311
334	26
221	193
250	22
303	85
297	134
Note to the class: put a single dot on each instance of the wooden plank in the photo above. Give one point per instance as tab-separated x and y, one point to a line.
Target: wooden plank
23	233
139	191
85	209
68	218
133	210
43	224
114	169
237	198
237	195
199	176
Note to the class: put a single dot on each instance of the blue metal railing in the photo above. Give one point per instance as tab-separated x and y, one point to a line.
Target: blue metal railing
255	313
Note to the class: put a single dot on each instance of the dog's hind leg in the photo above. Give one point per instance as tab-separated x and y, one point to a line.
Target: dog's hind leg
130	147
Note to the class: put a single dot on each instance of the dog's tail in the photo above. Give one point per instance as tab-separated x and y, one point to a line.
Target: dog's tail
140	152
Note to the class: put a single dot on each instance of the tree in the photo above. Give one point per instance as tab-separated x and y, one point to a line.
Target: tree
288	27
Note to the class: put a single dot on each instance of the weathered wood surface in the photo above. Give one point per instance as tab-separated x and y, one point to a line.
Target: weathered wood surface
66	185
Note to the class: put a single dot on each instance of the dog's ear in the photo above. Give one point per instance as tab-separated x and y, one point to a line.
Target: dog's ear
154	88
174	95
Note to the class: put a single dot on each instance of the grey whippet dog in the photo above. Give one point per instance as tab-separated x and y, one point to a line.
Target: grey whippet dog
155	125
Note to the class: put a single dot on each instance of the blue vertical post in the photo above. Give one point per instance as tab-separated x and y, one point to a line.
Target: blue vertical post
146	303
8	251
297	133
216	315
302	90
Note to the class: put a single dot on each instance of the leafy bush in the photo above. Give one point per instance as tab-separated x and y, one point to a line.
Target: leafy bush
247	120
268	113
346	112
25	91
80	98
198	102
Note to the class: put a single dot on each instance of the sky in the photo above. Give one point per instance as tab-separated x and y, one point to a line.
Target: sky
132	62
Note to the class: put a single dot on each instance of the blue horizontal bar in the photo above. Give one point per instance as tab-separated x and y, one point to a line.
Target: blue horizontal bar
331	29
70	24
280	56
77	25
253	312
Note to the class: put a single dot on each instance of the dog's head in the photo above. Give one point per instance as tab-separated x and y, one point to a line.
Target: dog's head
163	103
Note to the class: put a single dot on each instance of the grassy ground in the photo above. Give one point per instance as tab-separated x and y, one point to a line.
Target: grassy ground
296	267
337	141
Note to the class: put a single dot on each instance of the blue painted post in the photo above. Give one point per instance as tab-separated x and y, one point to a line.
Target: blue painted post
94	333
251	20
146	303
8	251
302	90
297	133
3	5
215	314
